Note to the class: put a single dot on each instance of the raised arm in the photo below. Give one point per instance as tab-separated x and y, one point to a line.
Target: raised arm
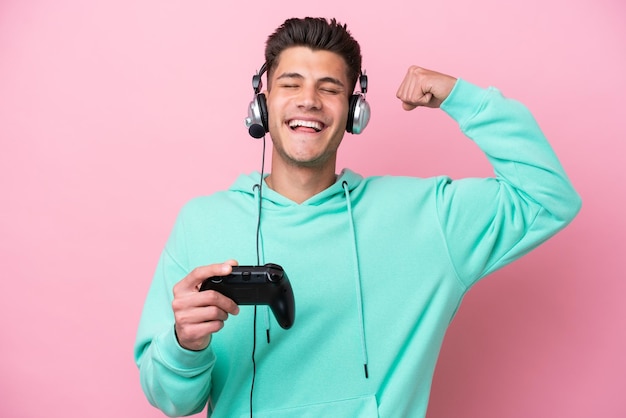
491	222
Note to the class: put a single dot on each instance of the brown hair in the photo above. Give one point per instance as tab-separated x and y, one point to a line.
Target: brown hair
317	34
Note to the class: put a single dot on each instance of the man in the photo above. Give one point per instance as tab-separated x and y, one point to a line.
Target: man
378	265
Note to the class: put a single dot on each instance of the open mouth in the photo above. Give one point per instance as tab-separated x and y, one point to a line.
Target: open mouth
305	125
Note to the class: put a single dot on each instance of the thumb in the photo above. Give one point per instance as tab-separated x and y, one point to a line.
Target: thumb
424	100
408	106
195	278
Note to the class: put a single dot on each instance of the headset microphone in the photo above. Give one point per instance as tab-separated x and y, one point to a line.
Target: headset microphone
256	131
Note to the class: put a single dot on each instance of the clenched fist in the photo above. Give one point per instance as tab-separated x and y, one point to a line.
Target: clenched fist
422	87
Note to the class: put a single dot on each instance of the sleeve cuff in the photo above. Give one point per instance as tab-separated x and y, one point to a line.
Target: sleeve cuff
464	101
179	358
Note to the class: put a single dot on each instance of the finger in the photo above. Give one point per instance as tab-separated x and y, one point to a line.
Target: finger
408	106
216	299
197	336
194	279
199	315
413	102
231	262
188	305
204	328
196	320
411	92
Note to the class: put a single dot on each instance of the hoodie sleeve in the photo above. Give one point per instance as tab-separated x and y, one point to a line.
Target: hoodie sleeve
175	380
488	223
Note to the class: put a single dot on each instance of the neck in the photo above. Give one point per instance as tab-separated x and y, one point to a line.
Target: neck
300	183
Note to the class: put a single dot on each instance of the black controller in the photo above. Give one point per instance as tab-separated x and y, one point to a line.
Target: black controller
258	285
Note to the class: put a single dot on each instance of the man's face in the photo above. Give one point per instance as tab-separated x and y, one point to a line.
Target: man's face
308	106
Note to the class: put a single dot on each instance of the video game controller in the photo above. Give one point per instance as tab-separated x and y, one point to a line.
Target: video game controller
258	285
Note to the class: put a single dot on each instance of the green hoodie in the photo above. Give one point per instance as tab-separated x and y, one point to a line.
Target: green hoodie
378	267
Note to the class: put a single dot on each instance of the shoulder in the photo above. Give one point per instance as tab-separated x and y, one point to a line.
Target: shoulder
402	184
398	193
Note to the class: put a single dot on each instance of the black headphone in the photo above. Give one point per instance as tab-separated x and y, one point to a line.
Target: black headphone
256	122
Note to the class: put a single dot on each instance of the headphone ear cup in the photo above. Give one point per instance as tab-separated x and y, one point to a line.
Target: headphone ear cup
358	114
262	104
351	106
257	116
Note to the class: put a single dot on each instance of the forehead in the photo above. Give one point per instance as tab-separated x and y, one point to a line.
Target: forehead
310	63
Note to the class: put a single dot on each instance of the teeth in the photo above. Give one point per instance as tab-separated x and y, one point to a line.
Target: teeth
306	124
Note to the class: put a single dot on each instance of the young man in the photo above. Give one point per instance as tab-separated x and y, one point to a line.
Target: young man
378	265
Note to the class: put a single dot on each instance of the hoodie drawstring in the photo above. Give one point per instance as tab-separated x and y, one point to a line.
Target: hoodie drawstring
357	277
260	254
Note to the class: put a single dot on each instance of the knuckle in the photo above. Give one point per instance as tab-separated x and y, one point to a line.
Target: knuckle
180	317
190	333
177	305
214	297
215	326
216	314
196	272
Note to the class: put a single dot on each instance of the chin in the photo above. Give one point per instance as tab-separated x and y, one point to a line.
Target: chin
308	161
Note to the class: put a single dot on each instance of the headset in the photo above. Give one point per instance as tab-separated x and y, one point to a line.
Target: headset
257	120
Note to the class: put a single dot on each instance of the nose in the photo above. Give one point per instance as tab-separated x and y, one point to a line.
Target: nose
308	98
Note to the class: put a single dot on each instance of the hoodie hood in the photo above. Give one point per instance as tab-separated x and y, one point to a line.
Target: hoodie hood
248	183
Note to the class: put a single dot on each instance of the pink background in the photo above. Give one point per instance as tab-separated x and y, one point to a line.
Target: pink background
114	113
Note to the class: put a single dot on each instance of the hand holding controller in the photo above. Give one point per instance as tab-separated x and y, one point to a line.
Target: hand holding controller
258	285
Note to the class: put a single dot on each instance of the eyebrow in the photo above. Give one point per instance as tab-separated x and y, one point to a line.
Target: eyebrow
322	80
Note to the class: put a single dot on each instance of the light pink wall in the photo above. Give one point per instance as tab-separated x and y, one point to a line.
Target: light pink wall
113	114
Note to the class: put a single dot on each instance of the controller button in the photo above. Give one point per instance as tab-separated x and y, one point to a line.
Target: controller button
274	277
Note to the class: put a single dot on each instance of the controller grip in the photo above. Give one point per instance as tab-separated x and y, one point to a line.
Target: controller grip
284	306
